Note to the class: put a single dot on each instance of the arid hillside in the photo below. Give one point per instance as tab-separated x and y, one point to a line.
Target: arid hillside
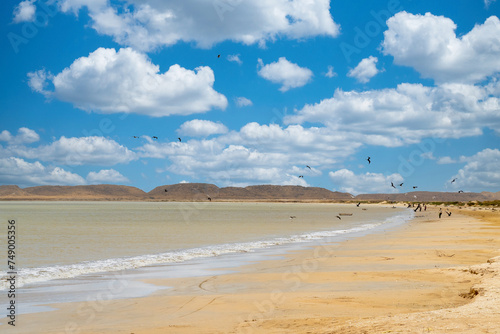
210	192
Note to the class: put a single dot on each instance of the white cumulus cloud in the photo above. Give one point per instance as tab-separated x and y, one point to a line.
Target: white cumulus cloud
243	101
126	81
429	44
25	11
147	26
255	154
406	114
106	176
201	128
481	172
446	161
283	72
20	172
235	58
24	136
330	73
77	151
346	181
365	70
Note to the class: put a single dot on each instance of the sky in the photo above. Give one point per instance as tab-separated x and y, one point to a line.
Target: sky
237	92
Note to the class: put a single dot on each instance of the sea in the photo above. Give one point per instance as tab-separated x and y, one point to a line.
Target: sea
72	251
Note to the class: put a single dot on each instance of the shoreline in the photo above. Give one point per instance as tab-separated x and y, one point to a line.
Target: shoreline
390	280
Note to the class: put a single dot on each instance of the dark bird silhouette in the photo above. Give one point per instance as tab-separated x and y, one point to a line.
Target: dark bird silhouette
179	139
401	184
358	204
154	137
292	217
136	137
308	167
460	191
369	161
415	187
339	217
301	176
218	56
166	190
453	180
392	185
209	198
418	207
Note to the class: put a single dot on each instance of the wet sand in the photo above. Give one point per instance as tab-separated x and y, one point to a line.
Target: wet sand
430	275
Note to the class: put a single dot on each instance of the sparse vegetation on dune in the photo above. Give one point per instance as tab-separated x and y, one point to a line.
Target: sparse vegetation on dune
495	203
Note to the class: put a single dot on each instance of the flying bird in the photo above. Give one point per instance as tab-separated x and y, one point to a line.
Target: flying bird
218	56
453	180
308	167
415	187
401	184
392	185
154	137
166	190
301	176
460	191
339	217
209	198
179	139
136	137
292	217
358	204
369	161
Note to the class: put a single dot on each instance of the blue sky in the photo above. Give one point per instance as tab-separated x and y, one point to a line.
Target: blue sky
414	85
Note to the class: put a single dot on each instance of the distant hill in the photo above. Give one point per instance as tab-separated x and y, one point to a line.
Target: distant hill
94	192
491	196
183	192
187	192
11	191
205	192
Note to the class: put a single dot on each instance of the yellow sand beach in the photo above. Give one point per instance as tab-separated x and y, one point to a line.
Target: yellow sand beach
430	275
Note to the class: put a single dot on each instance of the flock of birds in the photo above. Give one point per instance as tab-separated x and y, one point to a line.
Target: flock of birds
307	166
414	187
392	183
357	205
155	137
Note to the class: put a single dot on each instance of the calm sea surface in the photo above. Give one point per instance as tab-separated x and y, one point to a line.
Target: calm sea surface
67	239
